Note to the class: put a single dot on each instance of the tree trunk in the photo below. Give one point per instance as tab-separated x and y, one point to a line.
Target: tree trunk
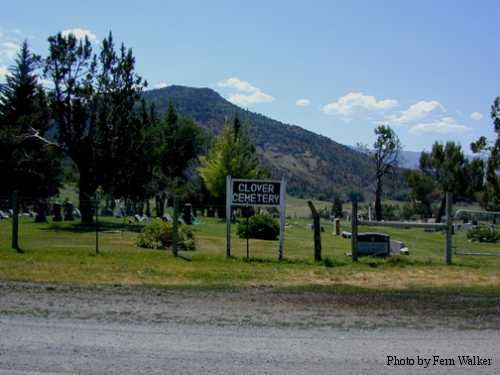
160	205
428	210
442	208
85	196
378	200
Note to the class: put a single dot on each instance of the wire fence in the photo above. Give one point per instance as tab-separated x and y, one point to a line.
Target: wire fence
55	225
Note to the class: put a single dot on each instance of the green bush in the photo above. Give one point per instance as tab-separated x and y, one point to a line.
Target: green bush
483	233
262	226
158	235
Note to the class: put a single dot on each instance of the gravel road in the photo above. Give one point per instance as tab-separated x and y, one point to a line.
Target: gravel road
52	329
49	346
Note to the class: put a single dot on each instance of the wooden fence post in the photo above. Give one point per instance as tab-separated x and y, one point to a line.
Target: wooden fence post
354	230
317	232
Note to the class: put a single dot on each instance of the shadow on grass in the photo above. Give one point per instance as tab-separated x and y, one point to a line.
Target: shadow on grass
102	227
458	299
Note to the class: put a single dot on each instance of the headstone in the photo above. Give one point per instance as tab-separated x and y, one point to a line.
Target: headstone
41	212
398	247
210	212
68	211
56	211
118	210
373	244
337	227
187	214
77	213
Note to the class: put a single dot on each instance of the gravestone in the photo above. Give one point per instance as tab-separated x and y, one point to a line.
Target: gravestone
187	214
68	211
373	244
56	211
41	212
210	212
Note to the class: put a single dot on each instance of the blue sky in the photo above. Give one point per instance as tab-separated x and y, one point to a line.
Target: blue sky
430	69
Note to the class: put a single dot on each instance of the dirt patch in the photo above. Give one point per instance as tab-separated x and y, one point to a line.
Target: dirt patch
343	308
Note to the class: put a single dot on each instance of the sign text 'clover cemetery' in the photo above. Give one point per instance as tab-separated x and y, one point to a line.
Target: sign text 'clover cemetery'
255	193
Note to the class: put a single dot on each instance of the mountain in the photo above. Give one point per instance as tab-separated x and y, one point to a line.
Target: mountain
313	165
409	159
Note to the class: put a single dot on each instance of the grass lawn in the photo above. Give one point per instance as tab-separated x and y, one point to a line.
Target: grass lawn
64	253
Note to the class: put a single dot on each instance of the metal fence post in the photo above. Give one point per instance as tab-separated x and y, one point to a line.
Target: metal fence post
282	217
449	228
175	226
15	221
96	208
354	230
228	216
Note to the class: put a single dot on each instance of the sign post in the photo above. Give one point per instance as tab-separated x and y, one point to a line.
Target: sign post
243	192
282	217
228	215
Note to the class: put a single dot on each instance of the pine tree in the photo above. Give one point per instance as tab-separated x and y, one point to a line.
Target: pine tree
27	164
232	154
92	103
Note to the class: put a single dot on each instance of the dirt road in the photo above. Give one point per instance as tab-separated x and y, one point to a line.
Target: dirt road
47	329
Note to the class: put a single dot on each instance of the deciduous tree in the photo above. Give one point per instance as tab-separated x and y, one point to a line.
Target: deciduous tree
385	155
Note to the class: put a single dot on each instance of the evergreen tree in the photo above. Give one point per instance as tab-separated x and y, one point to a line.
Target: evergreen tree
447	167
337	208
92	103
232	154
490	196
27	164
423	190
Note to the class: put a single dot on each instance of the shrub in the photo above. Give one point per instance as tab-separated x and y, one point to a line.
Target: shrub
483	233
262	226
158	235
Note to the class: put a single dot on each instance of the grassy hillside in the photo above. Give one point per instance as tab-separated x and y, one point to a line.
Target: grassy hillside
313	164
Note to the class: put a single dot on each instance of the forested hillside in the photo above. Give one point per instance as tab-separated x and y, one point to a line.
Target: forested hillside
314	165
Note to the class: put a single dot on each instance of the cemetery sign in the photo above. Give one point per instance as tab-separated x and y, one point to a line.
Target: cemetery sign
255	192
244	192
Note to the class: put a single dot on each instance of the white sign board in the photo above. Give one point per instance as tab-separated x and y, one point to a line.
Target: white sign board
244	192
255	192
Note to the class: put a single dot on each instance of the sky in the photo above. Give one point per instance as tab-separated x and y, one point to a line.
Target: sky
429	69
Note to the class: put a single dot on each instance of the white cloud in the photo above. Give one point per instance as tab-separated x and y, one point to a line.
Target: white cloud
80	34
248	94
416	112
160	85
446	125
476	116
353	101
249	99
236	83
302	102
9	49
